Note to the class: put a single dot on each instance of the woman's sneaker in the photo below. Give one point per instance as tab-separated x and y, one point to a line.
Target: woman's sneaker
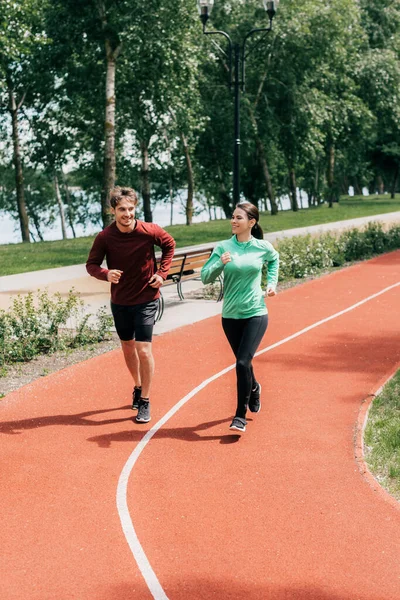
239	424
255	399
143	415
136	397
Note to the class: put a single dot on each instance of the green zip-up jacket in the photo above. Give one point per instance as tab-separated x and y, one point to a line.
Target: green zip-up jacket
243	296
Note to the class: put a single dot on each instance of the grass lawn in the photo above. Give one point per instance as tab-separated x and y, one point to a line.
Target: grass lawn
382	437
21	258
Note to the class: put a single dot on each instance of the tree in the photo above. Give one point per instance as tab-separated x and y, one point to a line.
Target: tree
21	35
379	77
159	89
93	31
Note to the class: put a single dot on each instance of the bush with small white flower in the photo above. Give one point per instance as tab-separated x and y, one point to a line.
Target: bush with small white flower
303	256
42	324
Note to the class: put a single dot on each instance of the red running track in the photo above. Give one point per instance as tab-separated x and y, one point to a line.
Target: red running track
281	512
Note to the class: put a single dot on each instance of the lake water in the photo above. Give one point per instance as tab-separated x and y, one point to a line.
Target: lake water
10	232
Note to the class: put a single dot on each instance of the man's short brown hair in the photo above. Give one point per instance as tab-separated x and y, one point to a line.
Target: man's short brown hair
123	193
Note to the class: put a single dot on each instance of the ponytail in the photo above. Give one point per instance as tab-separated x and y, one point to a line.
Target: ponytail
257	231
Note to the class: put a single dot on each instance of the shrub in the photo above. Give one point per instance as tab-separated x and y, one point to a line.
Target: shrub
376	238
393	238
303	255
44	324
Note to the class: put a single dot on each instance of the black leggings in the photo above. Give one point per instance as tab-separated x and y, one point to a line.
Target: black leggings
244	336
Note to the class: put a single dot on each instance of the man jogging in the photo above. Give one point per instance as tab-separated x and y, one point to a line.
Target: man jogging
128	247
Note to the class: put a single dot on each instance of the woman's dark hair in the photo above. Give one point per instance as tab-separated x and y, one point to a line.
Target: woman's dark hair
252	213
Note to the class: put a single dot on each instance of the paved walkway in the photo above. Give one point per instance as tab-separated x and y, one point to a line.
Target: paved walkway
95	293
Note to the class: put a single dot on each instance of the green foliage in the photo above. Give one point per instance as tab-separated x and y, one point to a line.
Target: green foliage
43	324
305	255
302	256
382	436
362	244
323	83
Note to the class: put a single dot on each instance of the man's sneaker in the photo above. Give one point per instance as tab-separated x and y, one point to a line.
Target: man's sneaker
238	423
143	415
136	397
255	399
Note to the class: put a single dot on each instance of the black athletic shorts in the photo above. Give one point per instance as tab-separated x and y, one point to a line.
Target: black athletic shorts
135	322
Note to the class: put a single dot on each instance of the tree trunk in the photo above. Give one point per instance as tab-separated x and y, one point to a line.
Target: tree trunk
36	222
145	179
267	177
317	197
19	177
301	199
264	164
60	207
209	210
357	187
109	172
292	189
69	205
381	185
171	204
345	185
223	195
224	198
330	174
372	186
189	201
395	181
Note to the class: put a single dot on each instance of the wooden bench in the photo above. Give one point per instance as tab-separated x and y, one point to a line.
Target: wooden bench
185	265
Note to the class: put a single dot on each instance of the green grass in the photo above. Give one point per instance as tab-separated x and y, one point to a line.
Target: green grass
382	437
21	258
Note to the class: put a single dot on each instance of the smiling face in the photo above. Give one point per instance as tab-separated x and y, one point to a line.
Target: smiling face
241	224
124	214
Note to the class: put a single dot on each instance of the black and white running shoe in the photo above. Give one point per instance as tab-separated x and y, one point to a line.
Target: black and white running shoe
143	415
238	423
136	397
255	399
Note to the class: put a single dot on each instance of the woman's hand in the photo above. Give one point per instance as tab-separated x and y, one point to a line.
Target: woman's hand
271	291
226	257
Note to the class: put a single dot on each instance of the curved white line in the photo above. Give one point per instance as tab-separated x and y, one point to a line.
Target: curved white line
143	563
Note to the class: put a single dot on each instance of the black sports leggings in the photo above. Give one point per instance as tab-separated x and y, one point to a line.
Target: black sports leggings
244	336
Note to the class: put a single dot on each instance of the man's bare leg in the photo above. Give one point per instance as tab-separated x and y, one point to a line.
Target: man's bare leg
146	361
132	360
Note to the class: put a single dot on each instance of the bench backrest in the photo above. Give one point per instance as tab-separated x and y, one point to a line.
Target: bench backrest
187	261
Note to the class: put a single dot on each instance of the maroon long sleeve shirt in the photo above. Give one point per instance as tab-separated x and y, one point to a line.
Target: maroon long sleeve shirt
134	254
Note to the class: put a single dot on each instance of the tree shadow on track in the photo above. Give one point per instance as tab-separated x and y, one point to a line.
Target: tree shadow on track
80	419
233	590
185	434
342	353
383	259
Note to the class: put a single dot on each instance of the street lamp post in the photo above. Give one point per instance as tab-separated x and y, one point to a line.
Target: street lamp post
236	51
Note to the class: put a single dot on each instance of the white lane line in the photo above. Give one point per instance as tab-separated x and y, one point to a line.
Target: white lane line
122	504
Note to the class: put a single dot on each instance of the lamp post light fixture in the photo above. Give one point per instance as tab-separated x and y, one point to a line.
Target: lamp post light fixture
205	8
236	51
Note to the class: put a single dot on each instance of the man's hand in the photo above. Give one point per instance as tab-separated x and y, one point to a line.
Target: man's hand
114	275
271	291
156	281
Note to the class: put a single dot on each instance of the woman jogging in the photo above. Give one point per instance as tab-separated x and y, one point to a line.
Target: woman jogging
244	314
